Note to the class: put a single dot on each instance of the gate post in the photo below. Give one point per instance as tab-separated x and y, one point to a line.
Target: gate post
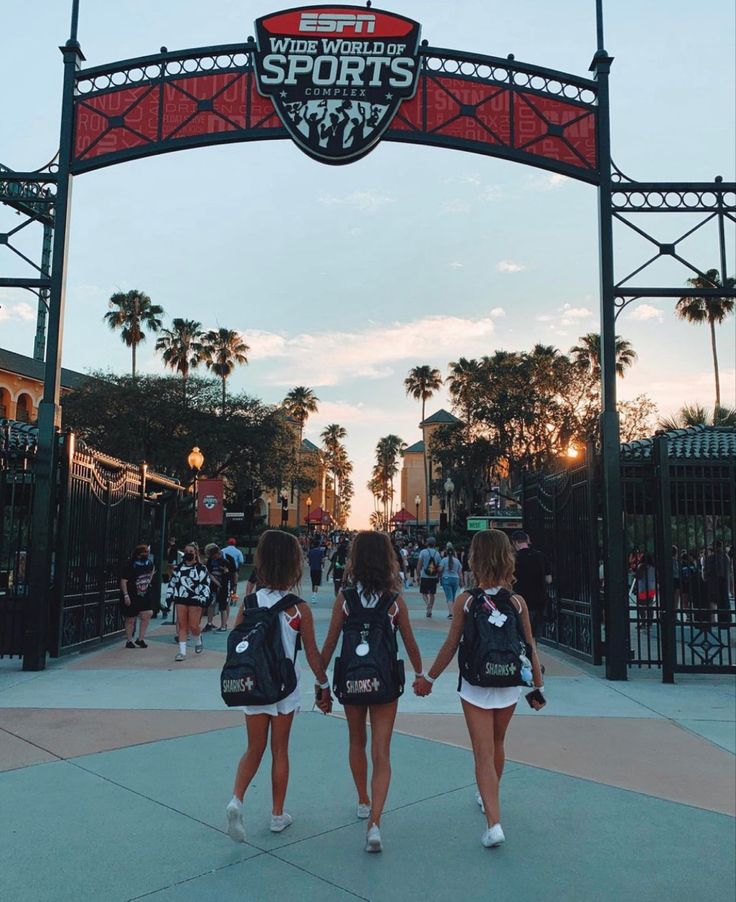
663	552
35	640
613	532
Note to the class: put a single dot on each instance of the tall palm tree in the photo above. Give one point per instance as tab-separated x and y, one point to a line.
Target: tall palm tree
421	383
388	451
299	403
708	310
462	380
133	313
222	351
335	457
181	347
588	354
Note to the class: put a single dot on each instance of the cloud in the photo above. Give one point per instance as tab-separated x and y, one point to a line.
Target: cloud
491	193
471	178
549	181
643	312
336	357
456	206
498	312
456	265
17	311
368	201
564	316
509	266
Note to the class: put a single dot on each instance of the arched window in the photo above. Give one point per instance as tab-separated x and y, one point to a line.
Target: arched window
4	403
24	408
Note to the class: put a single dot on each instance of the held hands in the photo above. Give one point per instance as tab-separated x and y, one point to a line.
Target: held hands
323	699
421	686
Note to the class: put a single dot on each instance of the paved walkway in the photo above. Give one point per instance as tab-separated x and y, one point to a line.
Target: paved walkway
115	768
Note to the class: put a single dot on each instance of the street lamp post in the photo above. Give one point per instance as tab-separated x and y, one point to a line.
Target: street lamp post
309	511
449	489
284	510
417	502
195	459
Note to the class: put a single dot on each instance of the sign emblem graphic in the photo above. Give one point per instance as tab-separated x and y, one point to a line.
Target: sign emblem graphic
336	75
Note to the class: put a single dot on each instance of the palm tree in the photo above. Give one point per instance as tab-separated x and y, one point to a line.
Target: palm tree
133	313
708	310
588	354
299	403
222	350
698	415
462	380
335	457
182	347
421	383
388	451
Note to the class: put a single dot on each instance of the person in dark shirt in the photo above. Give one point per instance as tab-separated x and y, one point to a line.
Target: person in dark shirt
135	588
532	576
315	557
337	563
223	579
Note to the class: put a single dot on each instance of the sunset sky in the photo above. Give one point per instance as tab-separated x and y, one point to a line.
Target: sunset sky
343	278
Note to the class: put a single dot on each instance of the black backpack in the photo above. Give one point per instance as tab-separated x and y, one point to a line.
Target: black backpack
492	651
256	671
368	671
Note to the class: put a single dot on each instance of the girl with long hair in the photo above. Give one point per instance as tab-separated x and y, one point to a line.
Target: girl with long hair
278	562
450	576
488	711
372	570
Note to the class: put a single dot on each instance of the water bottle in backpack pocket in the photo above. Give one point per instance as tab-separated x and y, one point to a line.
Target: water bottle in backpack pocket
368	671
492	651
257	671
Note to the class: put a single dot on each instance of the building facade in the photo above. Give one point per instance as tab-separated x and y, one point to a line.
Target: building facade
21	385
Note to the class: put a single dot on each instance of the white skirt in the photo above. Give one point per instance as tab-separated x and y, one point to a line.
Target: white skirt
491	696
292	703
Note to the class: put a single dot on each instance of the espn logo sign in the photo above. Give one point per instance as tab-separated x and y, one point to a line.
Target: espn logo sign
337	23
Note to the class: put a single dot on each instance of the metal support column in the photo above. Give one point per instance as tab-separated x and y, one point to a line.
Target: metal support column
613	531
44	501
663	546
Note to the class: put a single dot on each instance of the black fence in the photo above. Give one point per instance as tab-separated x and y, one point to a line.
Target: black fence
679	493
560	512
104	507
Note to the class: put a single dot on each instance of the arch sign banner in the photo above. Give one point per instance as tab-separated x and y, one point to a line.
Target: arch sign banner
336	75
336	80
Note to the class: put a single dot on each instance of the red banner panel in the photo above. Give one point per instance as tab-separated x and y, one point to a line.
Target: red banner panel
210	510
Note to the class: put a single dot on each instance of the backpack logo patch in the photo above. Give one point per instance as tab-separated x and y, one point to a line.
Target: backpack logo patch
336	75
241	646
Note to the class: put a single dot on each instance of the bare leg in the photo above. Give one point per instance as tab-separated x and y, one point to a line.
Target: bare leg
129	627
145	620
195	623
182	621
382	726
502	718
480	728
280	729
356	717
257	727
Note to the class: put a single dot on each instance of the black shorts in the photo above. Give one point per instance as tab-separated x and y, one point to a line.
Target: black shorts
221	599
428	585
137	606
316	576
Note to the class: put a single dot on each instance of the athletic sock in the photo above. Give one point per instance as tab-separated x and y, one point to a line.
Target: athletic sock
183	648
236	801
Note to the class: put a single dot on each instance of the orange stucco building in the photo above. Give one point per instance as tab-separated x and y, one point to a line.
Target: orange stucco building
21	385
412	471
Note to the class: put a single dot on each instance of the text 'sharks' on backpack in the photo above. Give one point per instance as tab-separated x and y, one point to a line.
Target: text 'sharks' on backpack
257	671
368	671
492	652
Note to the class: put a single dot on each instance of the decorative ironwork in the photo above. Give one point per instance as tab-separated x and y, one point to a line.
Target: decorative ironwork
468	102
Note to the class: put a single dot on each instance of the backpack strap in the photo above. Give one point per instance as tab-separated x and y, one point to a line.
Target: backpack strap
250	601
288	601
352	600
386	602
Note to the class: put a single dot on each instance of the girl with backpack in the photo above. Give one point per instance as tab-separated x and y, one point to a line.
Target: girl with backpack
488	623
278	561
450	576
368	677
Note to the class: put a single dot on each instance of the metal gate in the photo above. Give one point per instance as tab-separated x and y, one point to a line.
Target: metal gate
561	516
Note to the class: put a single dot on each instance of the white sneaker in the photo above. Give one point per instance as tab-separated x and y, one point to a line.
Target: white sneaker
493	837
364	811
280	822
479	800
373	839
235	825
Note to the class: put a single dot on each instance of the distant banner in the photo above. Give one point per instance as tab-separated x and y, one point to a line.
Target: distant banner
210	511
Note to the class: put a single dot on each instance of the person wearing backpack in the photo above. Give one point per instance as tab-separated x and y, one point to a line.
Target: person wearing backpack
337	563
271	621
368	678
491	626
428	567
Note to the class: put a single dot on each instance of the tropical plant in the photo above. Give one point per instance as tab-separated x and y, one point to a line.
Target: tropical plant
587	354
708	310
462	381
298	404
181	347
388	451
336	461
421	383
222	350
698	415
133	313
